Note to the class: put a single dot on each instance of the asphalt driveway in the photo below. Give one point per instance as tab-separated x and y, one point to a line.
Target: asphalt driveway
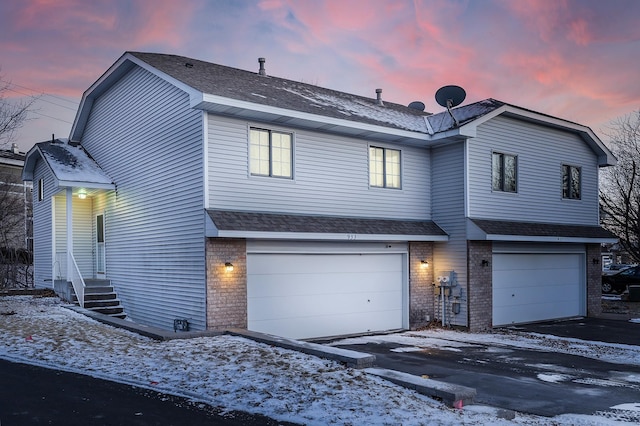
527	380
31	395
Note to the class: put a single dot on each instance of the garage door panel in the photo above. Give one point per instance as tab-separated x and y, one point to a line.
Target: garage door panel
531	312
536	261
324	304
315	295
534	287
323	326
514	278
523	296
304	263
324	283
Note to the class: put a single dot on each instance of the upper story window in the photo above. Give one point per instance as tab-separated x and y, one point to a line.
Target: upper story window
571	182
384	167
270	153
504	172
40	189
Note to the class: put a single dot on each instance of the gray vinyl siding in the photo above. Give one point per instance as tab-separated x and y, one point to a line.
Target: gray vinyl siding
42	227
541	151
154	220
448	211
331	176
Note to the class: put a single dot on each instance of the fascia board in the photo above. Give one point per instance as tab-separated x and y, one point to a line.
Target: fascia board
12	162
88	185
200	101
30	163
539	239
328	236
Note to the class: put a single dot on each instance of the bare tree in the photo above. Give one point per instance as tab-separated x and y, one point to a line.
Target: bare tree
620	185
15	259
13	114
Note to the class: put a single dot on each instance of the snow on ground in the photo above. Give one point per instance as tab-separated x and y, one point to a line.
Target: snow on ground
239	374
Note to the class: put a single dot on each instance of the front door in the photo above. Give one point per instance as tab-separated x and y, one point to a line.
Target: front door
100	252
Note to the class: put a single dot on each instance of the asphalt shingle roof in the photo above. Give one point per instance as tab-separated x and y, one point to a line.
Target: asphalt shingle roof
501	227
72	163
249	86
270	222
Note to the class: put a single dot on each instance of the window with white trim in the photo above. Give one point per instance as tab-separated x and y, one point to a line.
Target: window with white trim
384	168
270	153
40	189
571	182
504	172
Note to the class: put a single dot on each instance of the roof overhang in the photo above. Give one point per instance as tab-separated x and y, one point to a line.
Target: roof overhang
266	113
273	226
35	154
496	230
226	106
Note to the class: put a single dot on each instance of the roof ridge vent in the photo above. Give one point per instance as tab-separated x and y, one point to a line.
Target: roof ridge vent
262	71
379	97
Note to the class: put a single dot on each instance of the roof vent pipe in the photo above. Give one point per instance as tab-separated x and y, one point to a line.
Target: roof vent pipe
262	71
379	97
14	148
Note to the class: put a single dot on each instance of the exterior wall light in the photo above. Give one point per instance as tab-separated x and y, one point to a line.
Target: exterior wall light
82	194
424	263
485	263
228	266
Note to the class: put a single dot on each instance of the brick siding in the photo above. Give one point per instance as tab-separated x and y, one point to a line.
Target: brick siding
226	291
480	294
421	310
594	281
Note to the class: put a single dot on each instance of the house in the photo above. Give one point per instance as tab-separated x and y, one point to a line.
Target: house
230	198
15	201
15	219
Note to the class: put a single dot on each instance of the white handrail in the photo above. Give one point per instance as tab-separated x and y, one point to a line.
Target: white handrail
76	279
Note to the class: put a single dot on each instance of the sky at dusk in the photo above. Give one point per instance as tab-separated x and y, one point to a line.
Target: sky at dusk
575	59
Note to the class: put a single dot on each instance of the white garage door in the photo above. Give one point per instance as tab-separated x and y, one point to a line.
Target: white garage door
318	295
531	287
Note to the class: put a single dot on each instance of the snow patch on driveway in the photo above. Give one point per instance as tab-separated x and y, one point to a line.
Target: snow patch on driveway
553	378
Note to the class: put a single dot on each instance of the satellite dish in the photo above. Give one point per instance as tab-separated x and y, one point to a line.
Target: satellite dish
450	96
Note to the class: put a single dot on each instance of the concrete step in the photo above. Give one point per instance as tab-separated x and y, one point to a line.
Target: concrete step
98	296
101	303
96	282
115	310
96	289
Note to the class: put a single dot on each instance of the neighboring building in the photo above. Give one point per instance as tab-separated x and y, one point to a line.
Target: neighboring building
235	199
15	201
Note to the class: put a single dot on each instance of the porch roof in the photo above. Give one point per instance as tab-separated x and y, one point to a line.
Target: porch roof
502	230
239	224
71	165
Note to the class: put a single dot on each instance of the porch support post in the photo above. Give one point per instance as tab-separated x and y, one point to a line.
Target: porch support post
69	230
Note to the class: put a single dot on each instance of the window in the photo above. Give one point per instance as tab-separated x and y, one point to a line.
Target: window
571	182
270	153
384	167
40	190
504	174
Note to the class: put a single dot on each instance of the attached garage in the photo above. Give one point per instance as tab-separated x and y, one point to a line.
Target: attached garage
538	286
313	295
